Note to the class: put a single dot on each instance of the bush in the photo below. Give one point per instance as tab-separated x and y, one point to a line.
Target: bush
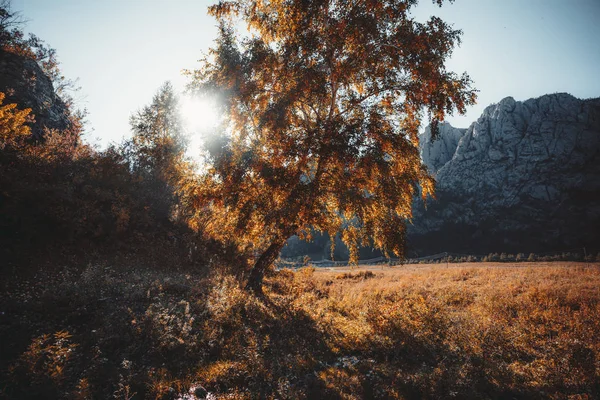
362	275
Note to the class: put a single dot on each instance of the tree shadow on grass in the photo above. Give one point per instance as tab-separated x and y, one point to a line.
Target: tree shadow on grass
158	335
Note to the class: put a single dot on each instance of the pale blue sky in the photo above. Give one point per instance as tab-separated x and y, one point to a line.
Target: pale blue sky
123	50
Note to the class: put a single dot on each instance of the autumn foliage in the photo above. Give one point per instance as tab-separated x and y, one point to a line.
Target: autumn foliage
62	200
12	123
322	108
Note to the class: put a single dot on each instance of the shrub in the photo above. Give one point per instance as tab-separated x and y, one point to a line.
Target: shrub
362	275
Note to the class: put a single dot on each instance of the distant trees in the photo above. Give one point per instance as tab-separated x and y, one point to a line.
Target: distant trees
156	151
60	193
324	104
157	134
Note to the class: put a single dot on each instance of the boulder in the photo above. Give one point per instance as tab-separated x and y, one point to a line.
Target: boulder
24	83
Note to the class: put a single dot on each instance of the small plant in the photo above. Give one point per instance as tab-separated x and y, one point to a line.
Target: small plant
362	275
45	364
124	391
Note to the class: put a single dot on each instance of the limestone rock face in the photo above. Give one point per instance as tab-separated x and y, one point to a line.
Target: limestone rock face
24	83
437	152
524	177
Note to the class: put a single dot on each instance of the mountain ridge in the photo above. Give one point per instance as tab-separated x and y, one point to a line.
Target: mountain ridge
524	176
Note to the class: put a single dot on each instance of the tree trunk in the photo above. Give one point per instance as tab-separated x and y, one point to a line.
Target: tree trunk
264	261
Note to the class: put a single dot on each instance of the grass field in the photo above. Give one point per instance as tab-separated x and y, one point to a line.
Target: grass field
418	331
402	269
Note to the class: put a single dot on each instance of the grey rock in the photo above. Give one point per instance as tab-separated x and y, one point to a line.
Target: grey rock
436	153
524	176
24	83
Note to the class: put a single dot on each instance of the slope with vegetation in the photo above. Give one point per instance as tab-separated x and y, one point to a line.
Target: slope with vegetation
64	202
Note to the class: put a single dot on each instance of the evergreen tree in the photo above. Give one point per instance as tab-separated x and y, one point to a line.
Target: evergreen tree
156	151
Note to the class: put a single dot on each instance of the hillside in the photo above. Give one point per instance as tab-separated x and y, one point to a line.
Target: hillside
28	85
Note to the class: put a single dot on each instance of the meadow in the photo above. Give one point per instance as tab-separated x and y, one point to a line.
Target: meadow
475	331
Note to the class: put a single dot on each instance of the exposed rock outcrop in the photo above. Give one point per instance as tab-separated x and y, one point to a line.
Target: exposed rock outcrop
437	152
24	83
524	177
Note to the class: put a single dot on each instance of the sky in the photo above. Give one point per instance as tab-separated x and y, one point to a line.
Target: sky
121	51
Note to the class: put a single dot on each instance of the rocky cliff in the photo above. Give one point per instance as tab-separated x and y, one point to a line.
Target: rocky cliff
24	83
524	177
437	152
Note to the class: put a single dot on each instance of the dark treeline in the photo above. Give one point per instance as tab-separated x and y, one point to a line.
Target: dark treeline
61	199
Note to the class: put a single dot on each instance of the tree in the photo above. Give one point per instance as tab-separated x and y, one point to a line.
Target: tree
9	22
323	105
157	132
156	151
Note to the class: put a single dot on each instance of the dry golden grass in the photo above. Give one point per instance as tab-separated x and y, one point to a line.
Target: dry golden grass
471	331
467	330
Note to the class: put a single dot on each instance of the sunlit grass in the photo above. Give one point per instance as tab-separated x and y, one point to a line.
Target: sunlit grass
474	331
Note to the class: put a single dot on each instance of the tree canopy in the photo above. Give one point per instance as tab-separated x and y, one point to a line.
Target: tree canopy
157	134
323	101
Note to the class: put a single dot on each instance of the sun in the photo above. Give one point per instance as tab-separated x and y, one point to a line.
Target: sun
199	114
